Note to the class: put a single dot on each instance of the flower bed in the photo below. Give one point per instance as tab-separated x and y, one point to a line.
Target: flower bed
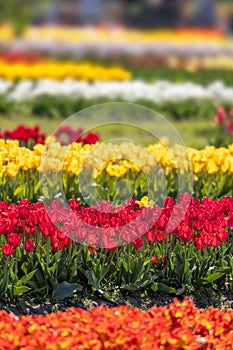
179	62
178	100
98	41
29	137
174	245
210	169
177	326
159	92
138	245
26	136
56	70
16	56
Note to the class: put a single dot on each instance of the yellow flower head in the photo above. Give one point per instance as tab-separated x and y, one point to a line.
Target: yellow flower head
145	202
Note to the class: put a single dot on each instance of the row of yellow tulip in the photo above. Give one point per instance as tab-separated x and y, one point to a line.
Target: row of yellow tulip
193	64
50	69
117	160
74	34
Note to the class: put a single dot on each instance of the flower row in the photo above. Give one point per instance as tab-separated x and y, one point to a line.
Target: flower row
191	64
56	70
32	136
176	326
61	249
96	170
115	159
21	57
80	42
24	135
103	225
159	92
72	34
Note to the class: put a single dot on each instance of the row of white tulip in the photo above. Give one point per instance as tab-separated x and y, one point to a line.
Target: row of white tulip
158	92
127	48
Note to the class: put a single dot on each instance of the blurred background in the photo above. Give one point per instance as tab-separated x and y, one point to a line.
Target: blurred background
132	13
175	56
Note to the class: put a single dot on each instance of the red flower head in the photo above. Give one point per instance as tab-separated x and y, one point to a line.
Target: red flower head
29	245
14	239
150	236
229	127
185	233
154	259
220	116
215	242
199	243
164	260
7	249
138	243
90	138
222	234
24	208
231	113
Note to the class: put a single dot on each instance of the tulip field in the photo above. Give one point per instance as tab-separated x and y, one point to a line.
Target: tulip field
177	326
84	217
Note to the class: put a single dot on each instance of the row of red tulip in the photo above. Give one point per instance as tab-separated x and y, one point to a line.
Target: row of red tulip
64	134
206	223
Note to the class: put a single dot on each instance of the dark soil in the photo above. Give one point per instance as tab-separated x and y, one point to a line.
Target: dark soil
38	305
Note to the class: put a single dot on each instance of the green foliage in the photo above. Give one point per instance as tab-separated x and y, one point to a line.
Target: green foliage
136	185
60	274
57	107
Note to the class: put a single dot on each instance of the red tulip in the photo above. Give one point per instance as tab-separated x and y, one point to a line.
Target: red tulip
7	249
154	259
164	260
14	239
29	245
138	243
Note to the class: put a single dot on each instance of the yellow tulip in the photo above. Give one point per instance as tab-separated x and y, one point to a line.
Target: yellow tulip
145	202
11	169
61	70
117	160
211	166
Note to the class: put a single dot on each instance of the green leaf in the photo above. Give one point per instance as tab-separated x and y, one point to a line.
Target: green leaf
34	285
154	286
165	289
213	277
40	278
66	289
179	266
37	186
106	296
143	281
130	287
181	290
53	283
24	268
15	291
92	279
19	189
45	192
25	279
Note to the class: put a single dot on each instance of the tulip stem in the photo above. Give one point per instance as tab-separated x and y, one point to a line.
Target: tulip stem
47	252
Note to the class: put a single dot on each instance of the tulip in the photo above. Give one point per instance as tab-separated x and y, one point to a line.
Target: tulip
7	249
29	245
